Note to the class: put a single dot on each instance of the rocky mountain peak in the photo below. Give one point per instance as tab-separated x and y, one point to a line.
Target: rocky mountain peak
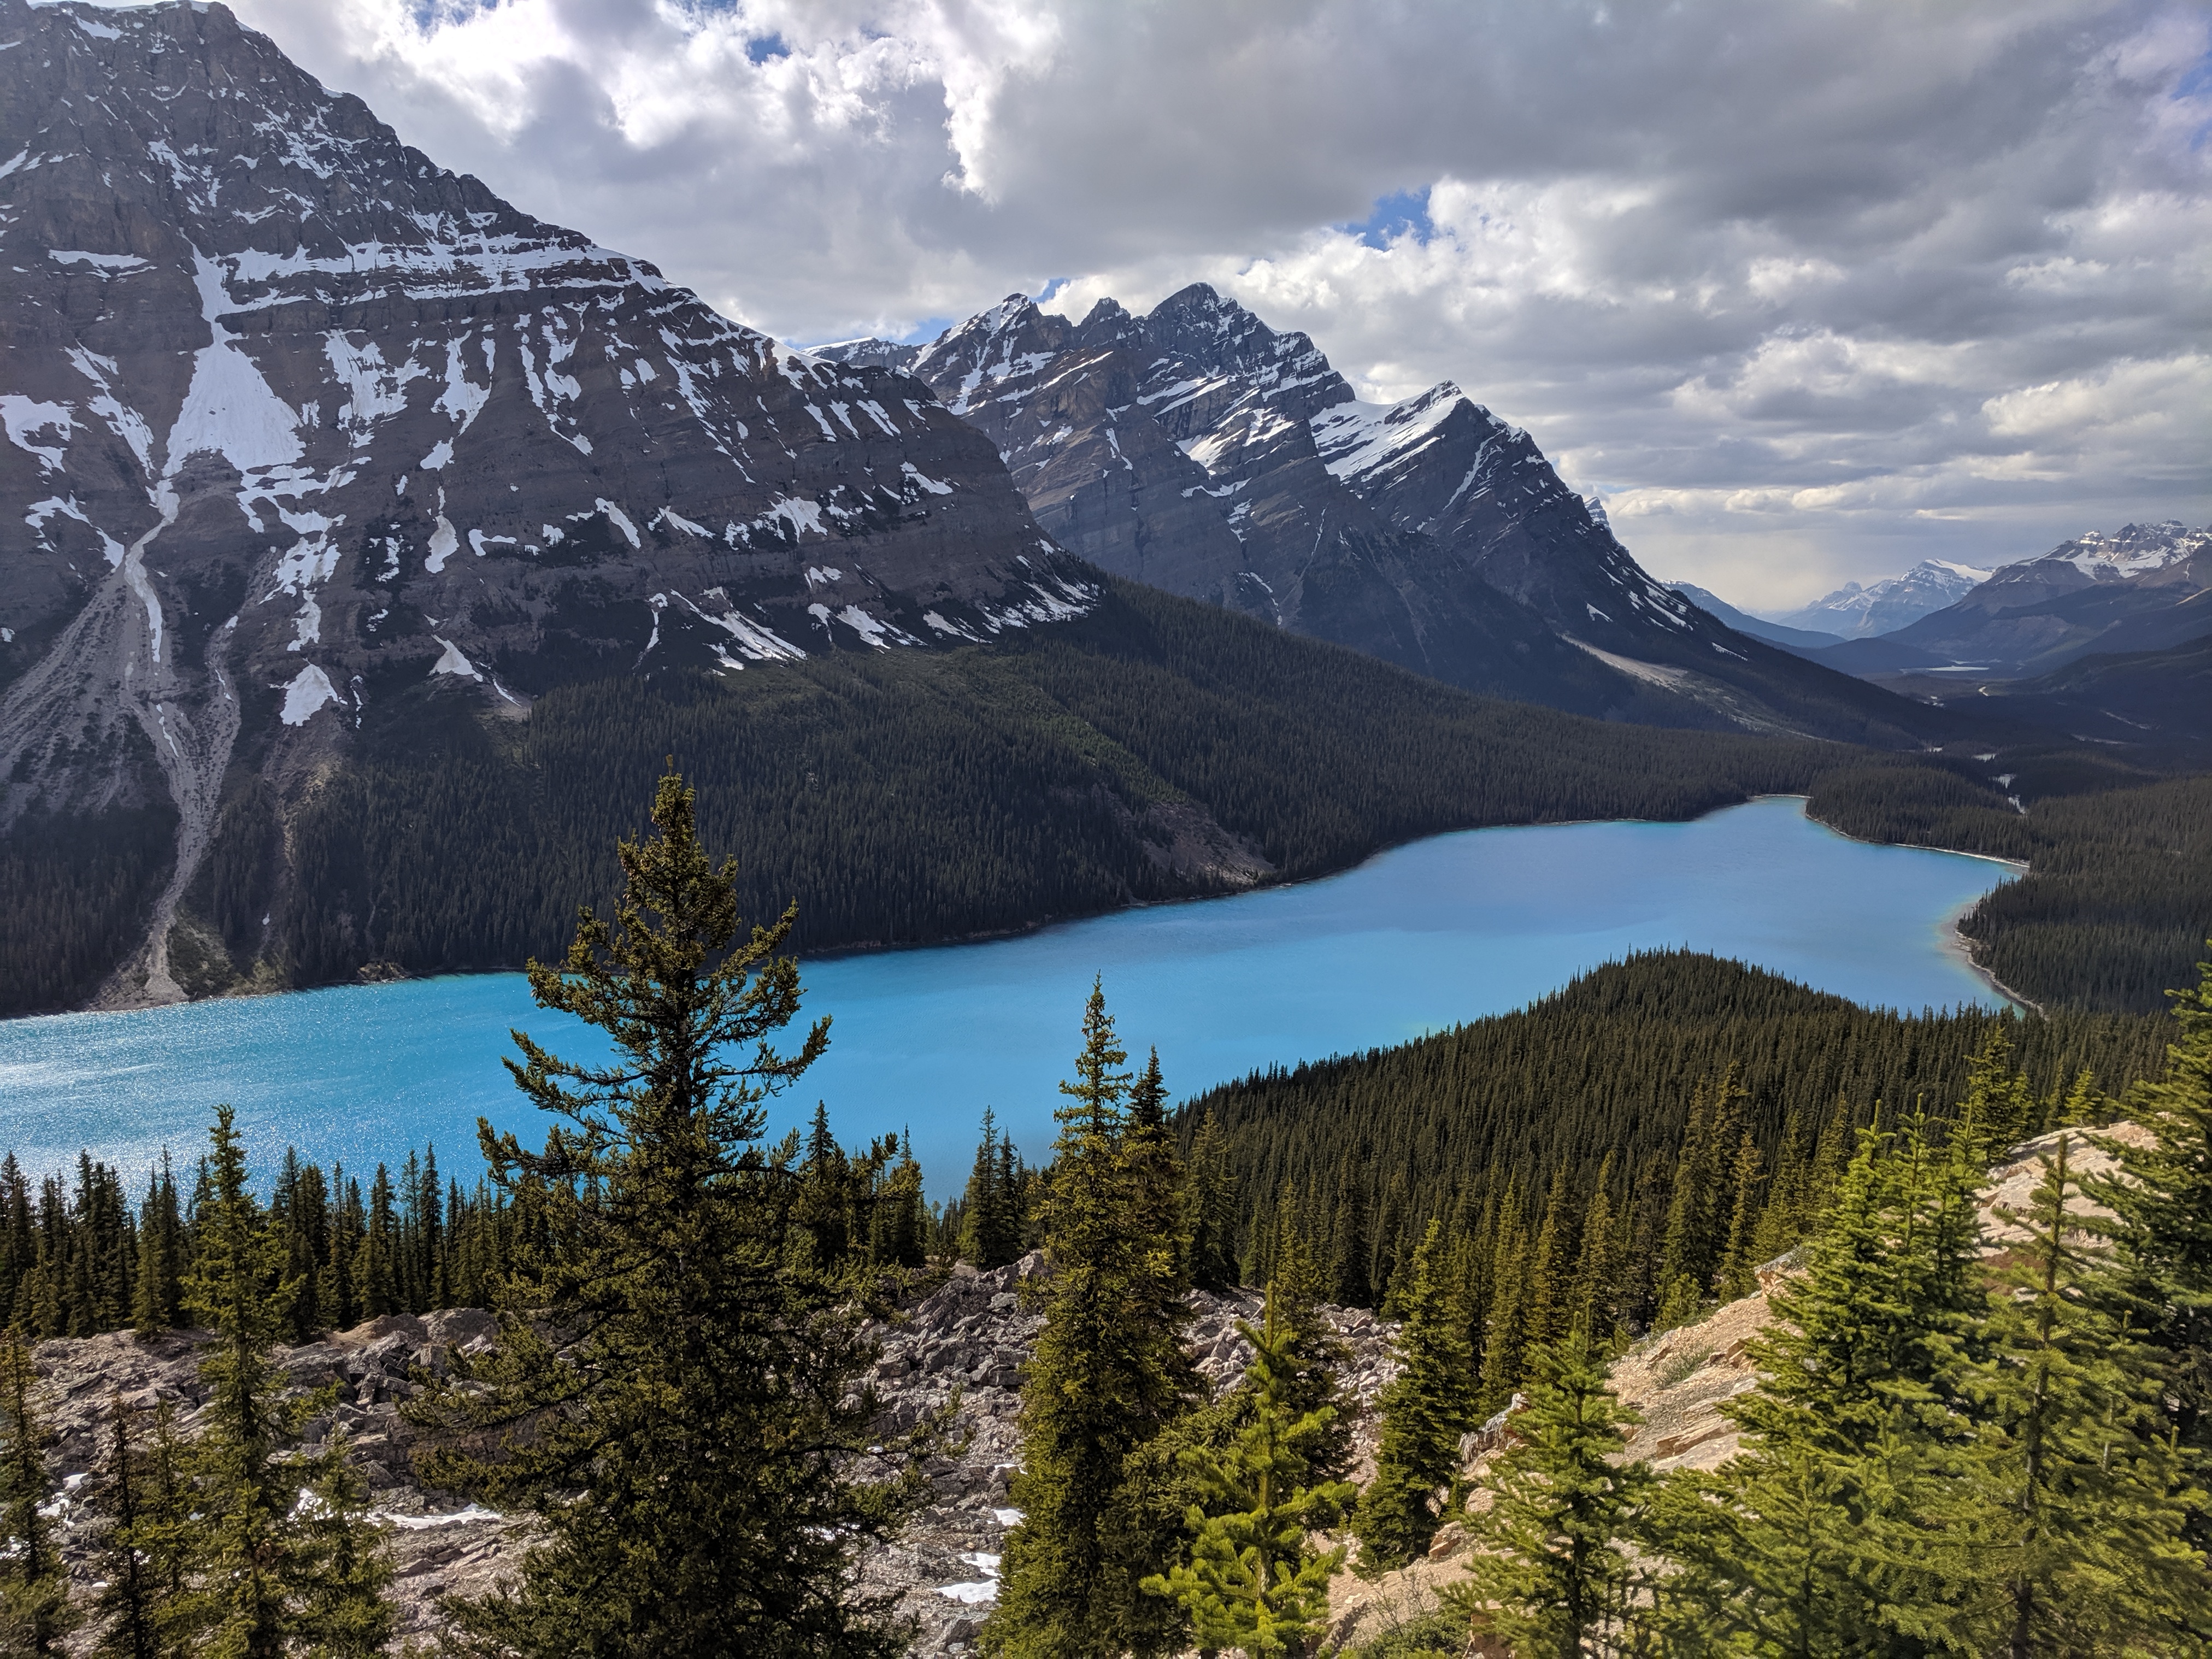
1197	448
304	430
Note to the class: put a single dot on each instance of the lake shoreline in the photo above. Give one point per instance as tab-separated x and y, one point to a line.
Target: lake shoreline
1957	943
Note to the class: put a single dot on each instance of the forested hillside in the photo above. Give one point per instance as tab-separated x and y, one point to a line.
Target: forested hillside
1159	748
1637	1087
2118	904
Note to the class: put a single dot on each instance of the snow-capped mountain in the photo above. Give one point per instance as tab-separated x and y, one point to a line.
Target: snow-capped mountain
1200	450
2145	588
299	424
1853	612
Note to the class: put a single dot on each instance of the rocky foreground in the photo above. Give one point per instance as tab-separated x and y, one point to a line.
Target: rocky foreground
968	1336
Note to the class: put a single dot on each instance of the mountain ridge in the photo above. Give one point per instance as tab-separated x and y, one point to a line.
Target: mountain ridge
1198	449
417	445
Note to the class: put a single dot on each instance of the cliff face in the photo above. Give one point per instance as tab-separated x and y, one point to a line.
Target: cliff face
305	429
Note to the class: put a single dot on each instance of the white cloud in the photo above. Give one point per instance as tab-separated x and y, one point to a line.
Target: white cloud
1809	292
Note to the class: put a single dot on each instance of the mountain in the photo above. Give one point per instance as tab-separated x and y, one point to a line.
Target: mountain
1790	639
1197	449
2159	699
303	427
2147	588
1853	612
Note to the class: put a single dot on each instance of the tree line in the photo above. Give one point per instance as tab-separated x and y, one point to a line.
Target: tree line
1634	1143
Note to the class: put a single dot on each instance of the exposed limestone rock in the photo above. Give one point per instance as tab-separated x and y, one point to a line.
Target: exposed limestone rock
968	1338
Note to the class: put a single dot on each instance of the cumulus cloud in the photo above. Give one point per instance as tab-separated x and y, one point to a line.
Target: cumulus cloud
1808	292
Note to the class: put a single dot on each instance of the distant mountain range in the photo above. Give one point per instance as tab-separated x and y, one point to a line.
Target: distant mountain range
1196	449
2148	589
1853	612
2104	637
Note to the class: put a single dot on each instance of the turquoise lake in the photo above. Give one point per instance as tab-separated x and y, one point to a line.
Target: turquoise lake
1415	939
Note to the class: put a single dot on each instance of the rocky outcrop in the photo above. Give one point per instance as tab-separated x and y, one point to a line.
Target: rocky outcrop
959	1346
440	1544
969	1338
304	432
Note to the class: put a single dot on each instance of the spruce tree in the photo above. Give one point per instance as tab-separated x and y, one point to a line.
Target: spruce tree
281	1550
1814	1538
34	1605
1591	1300
990	1227
130	1606
1550	1574
1740	1257
2161	1196
1425	1410
376	1265
1108	1374
1252	1580
1697	1209
679	1396
1211	1217
2077	1504
161	1294
1998	1109
1502	1327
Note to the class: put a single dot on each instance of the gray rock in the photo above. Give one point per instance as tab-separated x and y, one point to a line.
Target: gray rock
306	427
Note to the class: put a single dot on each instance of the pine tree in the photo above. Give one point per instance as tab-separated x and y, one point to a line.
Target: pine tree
2076	1505
161	1291
281	1549
898	1228
1740	1257
2161	1193
34	1606
376	1266
1813	1540
701	1462
1697	1213
990	1230
1160	1188
1547	1306
1350	1287
130	1605
1211	1215
1108	1374
1998	1109
1503	1325
1590	1301
1425	1410
1314	1353
1549	1571
1252	1580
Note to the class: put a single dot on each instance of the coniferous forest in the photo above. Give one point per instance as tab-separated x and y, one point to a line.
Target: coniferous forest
1946	1453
